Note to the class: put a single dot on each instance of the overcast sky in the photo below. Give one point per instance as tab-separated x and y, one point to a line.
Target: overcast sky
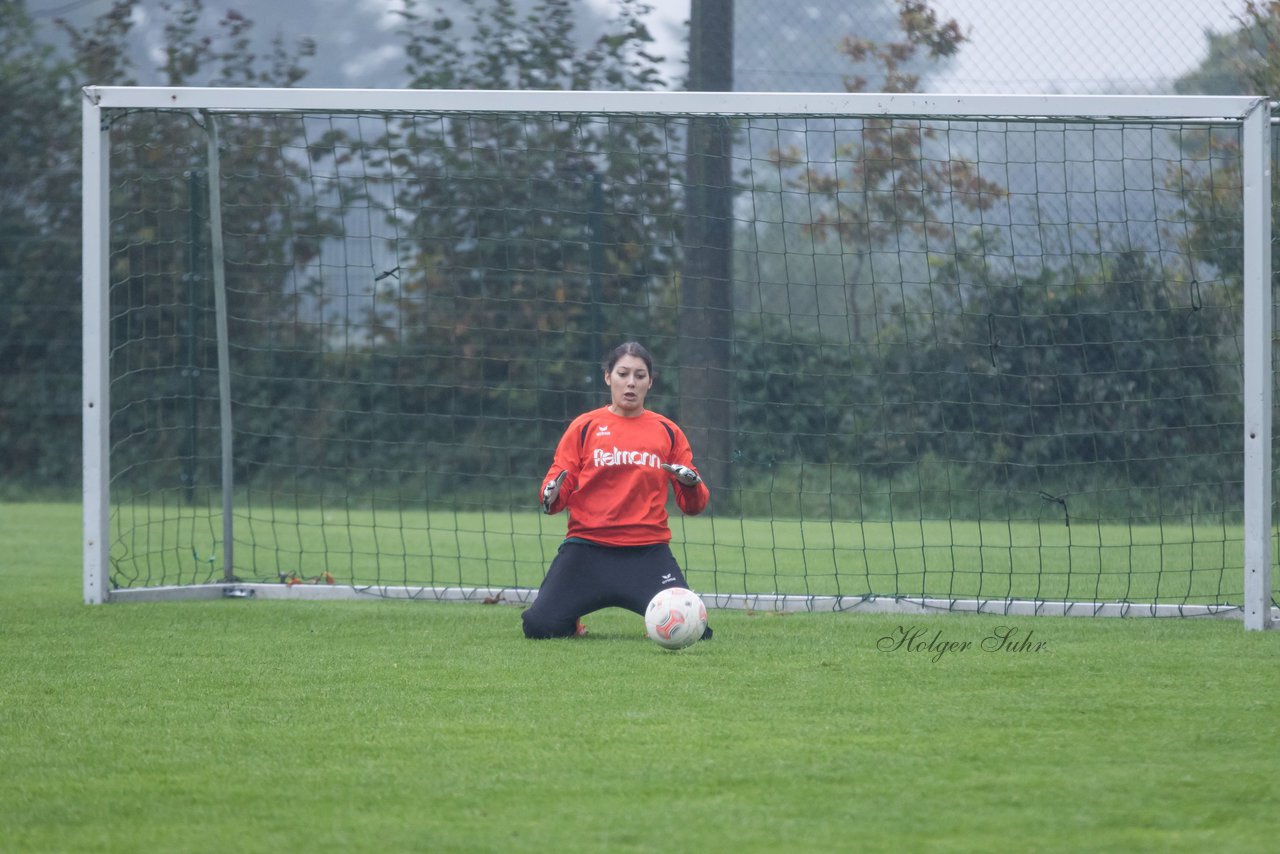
1075	44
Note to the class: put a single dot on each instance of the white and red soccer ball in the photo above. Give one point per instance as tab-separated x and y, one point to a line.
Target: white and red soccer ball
675	618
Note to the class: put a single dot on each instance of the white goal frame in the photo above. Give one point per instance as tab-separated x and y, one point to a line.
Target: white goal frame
1251	114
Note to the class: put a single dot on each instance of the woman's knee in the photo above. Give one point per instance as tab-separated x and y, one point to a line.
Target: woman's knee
539	626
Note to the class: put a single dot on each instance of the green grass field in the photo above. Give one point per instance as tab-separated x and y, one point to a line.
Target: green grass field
251	725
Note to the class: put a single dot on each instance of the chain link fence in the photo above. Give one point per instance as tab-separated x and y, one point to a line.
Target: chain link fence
1012	46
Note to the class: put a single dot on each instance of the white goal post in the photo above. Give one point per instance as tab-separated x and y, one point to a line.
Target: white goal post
1249	118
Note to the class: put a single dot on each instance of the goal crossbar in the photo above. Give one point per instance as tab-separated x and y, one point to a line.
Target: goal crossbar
1004	107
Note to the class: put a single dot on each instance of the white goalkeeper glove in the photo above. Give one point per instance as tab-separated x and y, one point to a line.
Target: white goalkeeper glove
684	475
551	491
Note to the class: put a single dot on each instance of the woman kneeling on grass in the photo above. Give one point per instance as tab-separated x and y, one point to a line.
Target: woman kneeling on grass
612	469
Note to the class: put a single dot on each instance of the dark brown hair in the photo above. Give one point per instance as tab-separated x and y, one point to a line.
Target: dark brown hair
630	348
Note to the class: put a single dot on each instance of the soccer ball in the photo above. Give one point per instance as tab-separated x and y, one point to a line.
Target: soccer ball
675	618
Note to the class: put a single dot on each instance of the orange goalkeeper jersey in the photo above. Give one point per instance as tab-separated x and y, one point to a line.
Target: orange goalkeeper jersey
614	488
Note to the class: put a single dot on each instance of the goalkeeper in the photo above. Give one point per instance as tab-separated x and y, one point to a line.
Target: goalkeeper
611	471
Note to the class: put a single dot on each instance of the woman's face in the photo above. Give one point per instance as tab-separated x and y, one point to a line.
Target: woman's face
628	383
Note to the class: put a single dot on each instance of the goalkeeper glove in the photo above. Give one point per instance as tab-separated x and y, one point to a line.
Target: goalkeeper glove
551	491
683	474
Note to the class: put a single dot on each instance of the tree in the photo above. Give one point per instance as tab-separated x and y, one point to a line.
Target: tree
1089	368
514	233
1242	62
39	239
889	187
1245	61
1091	379
40	226
922	32
162	299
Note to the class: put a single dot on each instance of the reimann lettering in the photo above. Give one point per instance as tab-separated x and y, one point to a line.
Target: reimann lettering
619	457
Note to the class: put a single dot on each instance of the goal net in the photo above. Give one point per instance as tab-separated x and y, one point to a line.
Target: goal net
993	353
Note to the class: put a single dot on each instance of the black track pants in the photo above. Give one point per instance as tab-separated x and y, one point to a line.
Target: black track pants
586	577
